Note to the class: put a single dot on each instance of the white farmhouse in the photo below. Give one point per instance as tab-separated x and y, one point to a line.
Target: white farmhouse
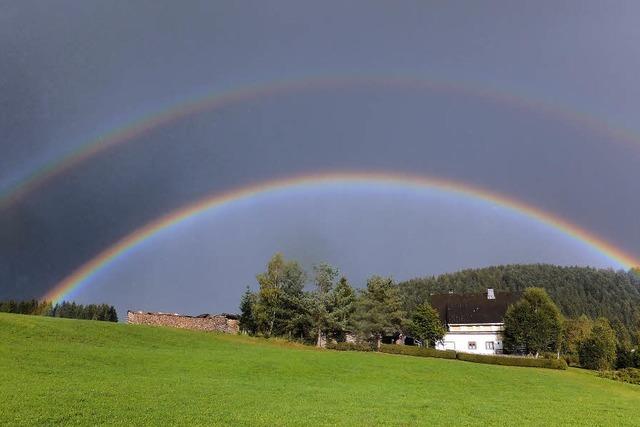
474	322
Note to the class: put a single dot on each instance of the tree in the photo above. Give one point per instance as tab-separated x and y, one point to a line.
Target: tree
426	324
379	309
294	318
270	294
574	333
282	307
343	300
599	350
624	353
533	323
575	290
321	302
247	321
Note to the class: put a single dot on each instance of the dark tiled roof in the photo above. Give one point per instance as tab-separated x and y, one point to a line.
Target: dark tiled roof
472	308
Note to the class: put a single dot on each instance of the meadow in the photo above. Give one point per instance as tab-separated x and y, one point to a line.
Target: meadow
62	371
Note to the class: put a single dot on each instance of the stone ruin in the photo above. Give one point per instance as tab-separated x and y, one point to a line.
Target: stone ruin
227	323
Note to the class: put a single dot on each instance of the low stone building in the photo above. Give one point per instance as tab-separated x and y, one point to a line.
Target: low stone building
227	323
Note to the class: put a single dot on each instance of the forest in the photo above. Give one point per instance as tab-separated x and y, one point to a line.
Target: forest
70	310
576	291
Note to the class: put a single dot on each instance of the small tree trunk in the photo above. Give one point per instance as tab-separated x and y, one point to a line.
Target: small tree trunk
379	341
319	341
273	319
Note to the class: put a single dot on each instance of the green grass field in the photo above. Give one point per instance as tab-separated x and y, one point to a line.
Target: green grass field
59	371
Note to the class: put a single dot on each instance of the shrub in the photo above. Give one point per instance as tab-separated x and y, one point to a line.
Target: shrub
417	351
598	352
624	358
513	361
628	375
548	355
571	359
350	346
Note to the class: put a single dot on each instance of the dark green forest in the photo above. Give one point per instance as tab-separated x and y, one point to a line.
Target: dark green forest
66	309
576	290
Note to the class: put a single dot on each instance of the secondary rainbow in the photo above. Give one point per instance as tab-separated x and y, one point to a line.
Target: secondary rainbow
83	275
212	101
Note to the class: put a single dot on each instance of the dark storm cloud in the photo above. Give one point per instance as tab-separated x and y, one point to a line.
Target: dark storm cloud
74	71
81	212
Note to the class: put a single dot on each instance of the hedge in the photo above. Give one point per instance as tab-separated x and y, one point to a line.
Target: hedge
477	358
349	346
409	350
627	375
514	361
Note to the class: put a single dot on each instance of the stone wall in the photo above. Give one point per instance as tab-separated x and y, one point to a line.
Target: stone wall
207	322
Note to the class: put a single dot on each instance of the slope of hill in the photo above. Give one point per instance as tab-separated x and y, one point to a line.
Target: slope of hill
576	290
86	372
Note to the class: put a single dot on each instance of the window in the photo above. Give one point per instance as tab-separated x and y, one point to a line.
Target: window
488	345
472	345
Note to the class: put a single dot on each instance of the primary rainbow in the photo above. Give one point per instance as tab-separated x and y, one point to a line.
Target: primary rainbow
209	102
83	274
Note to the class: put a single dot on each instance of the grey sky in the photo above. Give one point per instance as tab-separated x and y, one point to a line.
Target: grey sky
76	70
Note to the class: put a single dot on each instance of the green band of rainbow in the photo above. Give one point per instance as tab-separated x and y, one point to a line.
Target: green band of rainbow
83	275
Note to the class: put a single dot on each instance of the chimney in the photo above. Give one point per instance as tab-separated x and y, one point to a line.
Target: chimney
490	294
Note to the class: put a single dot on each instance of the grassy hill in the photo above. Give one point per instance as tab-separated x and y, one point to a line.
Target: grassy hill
85	372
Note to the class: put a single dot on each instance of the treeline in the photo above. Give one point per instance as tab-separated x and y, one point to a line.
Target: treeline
534	325
71	310
332	310
576	291
590	317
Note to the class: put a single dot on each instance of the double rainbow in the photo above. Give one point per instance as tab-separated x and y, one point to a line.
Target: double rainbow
211	102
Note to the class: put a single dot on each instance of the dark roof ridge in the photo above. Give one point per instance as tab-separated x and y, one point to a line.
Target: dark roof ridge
473	308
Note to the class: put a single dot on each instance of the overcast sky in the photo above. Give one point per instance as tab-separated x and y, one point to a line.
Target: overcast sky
72	71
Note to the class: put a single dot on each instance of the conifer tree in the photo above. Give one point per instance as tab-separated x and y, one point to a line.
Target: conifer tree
379	309
343	300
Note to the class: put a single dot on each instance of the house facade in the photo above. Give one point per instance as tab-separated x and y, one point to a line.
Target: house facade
474	322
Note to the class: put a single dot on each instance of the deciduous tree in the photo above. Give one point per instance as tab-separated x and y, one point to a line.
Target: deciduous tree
426	324
533	323
599	350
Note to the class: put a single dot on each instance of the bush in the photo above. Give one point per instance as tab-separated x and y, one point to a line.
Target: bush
624	358
548	355
350	346
514	361
628	375
417	351
571	359
598	352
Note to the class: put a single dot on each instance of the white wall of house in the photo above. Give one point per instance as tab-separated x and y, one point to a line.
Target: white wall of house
483	338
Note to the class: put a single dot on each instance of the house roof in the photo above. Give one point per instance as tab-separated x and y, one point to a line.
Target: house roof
472	308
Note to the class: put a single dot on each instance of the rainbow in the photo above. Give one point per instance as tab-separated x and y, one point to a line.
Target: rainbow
146	124
83	275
